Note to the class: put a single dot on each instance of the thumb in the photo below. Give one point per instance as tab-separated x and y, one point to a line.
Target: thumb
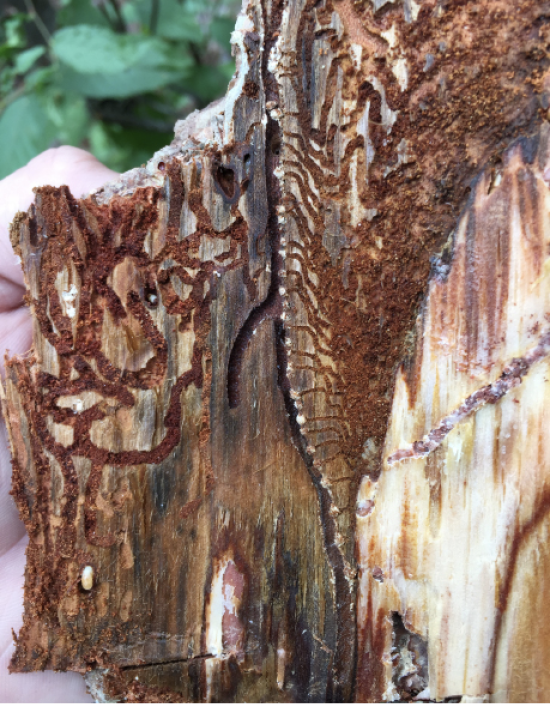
82	173
68	166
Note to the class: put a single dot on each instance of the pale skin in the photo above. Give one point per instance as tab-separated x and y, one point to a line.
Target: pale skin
82	173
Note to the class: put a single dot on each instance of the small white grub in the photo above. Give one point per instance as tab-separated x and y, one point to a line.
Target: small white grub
87	578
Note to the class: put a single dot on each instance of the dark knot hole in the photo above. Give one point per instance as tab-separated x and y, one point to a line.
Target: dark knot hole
226	179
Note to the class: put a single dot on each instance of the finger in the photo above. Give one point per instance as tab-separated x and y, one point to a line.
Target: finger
12	528
15	338
68	166
32	686
15	333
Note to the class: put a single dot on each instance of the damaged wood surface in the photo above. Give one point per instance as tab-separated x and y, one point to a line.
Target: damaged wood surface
281	434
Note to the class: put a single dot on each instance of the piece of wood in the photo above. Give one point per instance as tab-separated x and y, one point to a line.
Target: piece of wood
281	433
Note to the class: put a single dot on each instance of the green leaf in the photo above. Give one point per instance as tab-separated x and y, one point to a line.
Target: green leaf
98	63
124	148
25	131
40	77
14	28
176	21
89	49
69	115
26	59
80	12
7	84
122	85
209	82
221	29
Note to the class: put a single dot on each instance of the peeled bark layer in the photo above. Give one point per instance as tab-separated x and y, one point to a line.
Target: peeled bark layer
280	435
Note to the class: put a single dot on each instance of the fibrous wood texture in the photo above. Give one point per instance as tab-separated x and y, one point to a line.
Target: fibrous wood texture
281	435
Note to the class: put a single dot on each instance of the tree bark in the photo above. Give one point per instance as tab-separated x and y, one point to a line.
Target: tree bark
281	435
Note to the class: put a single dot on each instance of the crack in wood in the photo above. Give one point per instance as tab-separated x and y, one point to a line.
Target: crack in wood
174	661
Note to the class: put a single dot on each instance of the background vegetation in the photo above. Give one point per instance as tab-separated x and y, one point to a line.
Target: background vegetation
111	76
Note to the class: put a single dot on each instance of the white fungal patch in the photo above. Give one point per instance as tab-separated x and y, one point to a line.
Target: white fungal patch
401	72
243	26
281	660
356	55
69	297
414	9
390	35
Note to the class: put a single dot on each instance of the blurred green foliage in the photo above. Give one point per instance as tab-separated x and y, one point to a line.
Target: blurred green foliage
111	76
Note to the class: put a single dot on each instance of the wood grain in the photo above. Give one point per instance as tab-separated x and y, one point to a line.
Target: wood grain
280	434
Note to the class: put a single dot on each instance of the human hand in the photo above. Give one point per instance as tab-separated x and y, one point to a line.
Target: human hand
82	173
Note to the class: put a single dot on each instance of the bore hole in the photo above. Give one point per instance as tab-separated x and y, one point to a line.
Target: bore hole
151	294
365	508
161	166
226	180
276	146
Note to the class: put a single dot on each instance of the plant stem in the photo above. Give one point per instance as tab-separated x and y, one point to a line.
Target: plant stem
155	6
120	20
31	9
